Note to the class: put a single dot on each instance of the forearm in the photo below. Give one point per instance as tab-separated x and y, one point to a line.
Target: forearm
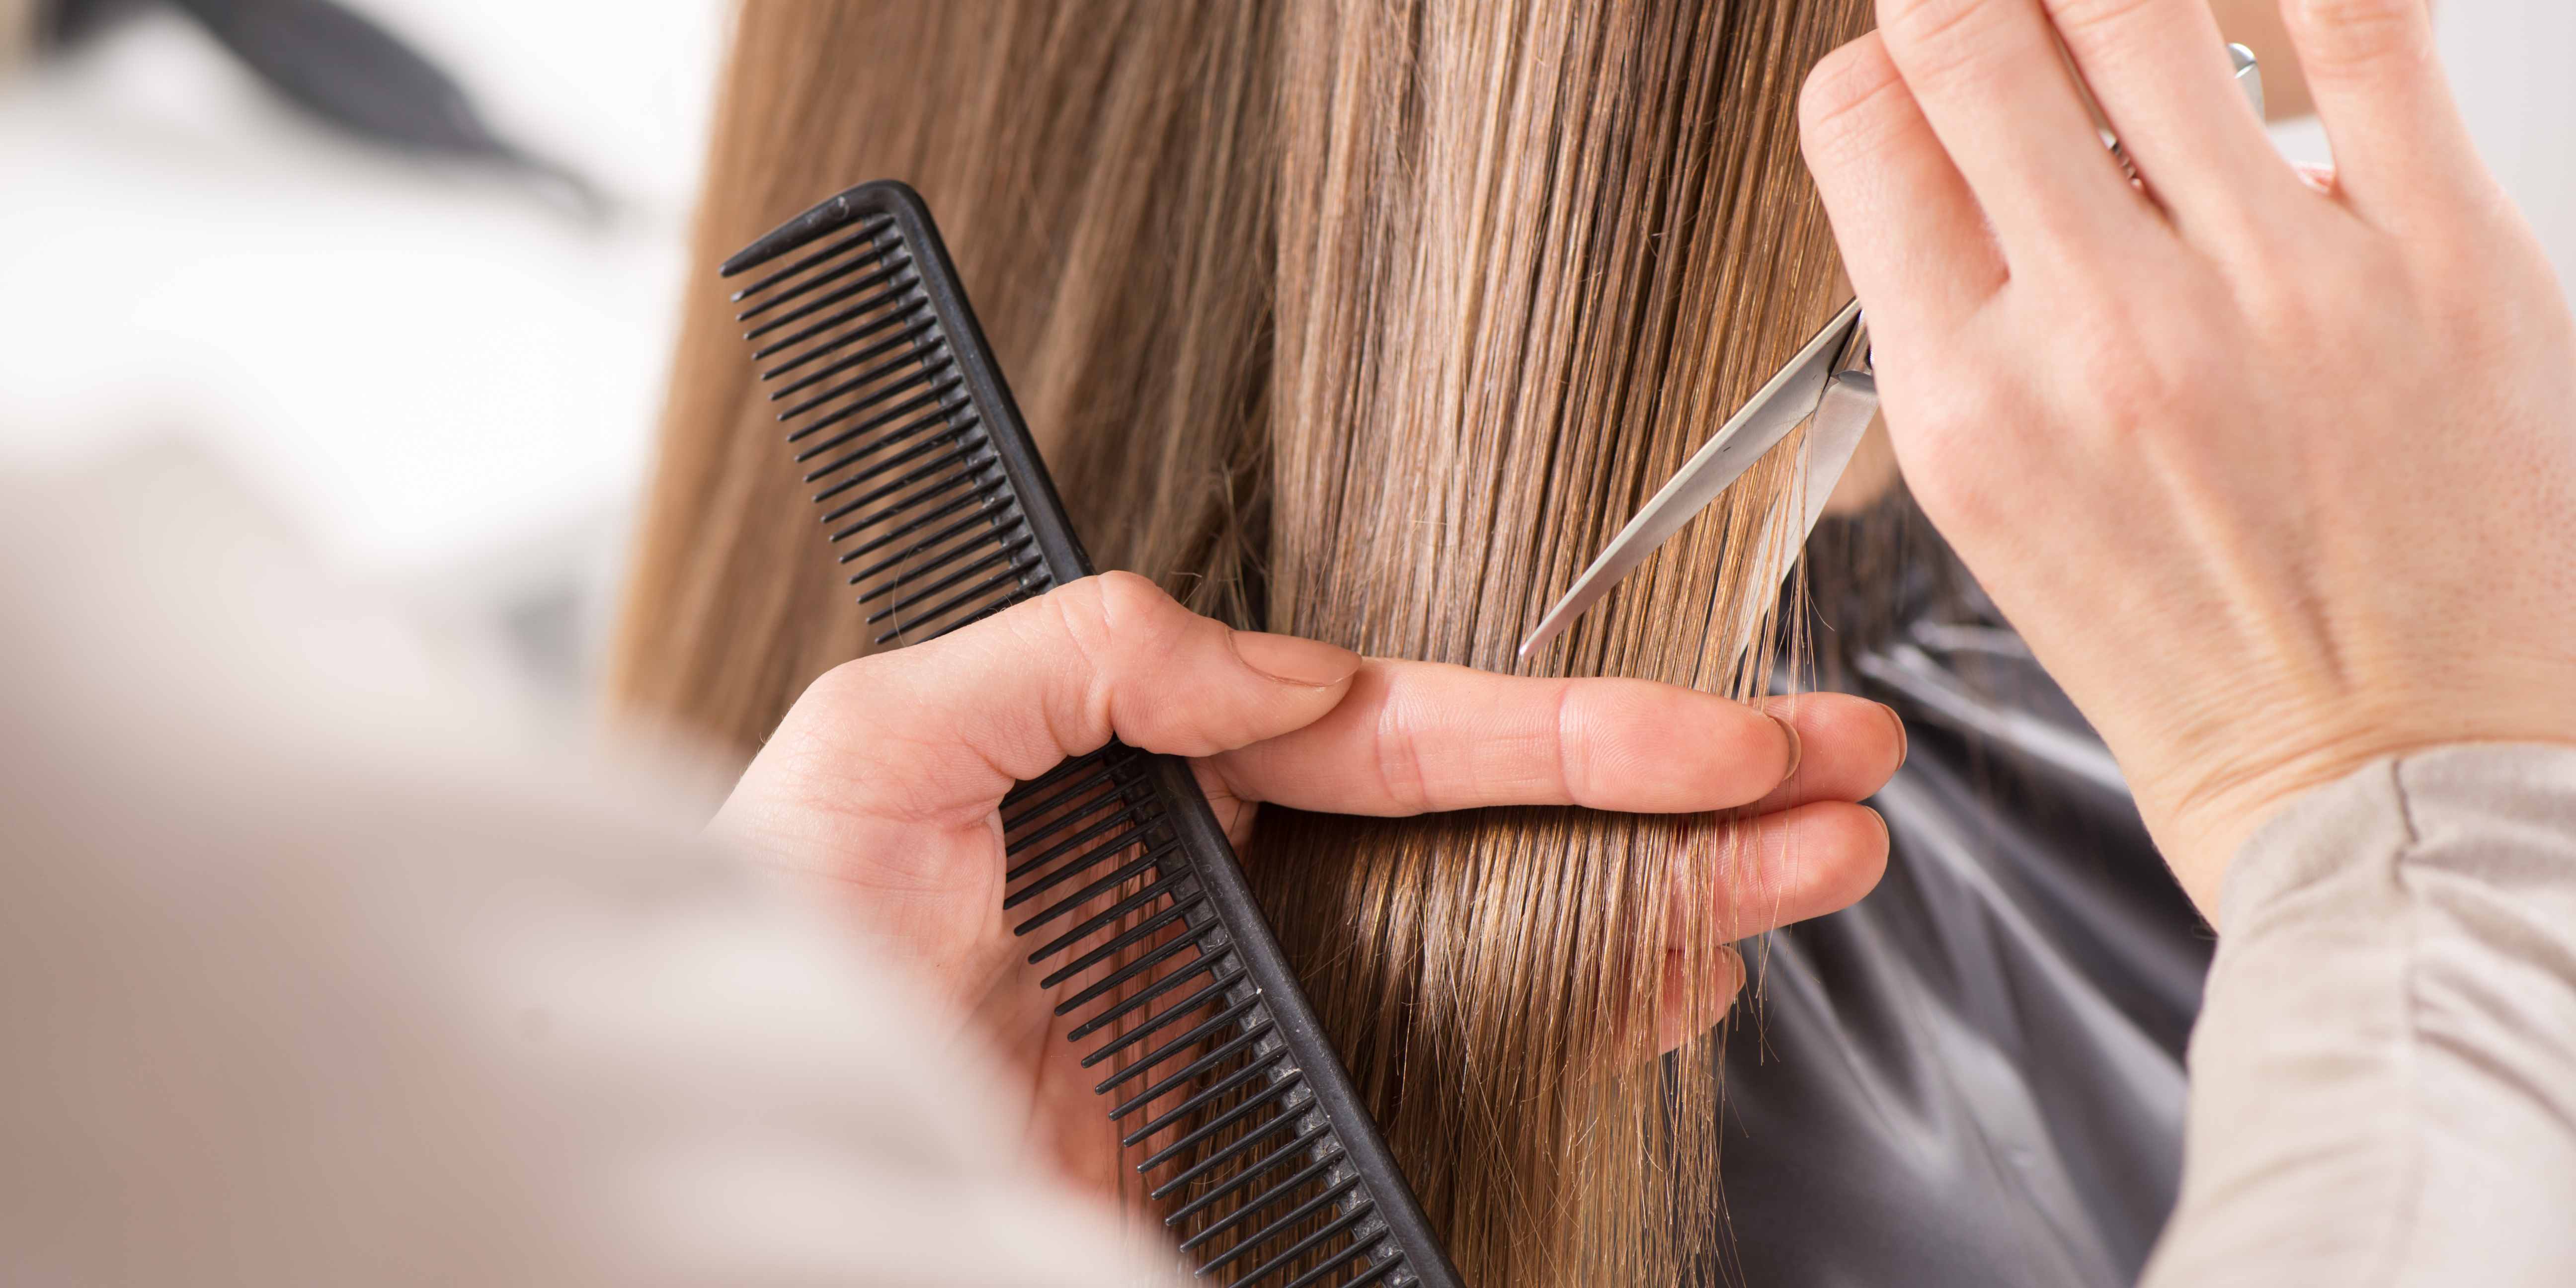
2384	1076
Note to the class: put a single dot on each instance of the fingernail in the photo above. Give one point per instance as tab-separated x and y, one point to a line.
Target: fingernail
1291	660
1797	746
1899	722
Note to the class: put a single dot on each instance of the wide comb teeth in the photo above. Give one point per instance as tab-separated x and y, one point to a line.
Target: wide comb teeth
935	499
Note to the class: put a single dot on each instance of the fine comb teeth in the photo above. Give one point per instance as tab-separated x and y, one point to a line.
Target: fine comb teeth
1217	1071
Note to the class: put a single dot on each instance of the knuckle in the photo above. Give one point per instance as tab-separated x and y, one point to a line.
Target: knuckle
2280	308
2168	381
2342	37
2121	384
1947	38
2303	302
1398	762
2134	386
1104	626
1082	632
849	696
1080	613
1112	612
2253	239
1123	617
1844	108
1129	597
2081	20
2291	300
1573	746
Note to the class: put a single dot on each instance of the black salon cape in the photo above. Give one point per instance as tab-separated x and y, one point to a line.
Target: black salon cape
1974	1076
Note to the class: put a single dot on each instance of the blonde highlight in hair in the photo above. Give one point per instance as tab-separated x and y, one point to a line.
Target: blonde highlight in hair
1367	320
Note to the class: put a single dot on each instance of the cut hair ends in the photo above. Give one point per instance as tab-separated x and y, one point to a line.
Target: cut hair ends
1361	319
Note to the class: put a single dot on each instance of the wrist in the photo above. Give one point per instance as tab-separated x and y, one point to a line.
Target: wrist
2203	821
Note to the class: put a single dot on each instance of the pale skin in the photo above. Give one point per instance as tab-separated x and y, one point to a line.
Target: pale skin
2258	24
2276	479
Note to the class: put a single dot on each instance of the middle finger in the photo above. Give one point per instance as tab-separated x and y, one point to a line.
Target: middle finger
1414	737
1998	94
2161	73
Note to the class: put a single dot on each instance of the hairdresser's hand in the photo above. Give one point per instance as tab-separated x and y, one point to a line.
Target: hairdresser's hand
883	781
2277	476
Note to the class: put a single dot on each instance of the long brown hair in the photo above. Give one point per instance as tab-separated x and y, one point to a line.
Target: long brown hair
1367	320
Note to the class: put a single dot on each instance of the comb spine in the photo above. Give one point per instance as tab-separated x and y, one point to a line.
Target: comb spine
1039	505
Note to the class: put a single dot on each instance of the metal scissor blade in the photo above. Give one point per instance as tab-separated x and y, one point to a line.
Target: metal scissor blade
1843	418
1788	399
2249	76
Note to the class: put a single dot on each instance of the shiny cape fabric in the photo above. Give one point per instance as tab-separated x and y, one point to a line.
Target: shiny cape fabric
1974	1076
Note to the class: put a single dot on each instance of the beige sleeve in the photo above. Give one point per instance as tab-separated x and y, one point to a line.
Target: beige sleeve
315	970
2384	1076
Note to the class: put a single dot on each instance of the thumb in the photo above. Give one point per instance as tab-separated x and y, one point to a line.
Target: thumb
952	723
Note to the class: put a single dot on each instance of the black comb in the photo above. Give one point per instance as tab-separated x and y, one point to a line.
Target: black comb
930	484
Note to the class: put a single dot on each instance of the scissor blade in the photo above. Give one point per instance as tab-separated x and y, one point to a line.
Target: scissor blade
2249	76
1777	408
1842	419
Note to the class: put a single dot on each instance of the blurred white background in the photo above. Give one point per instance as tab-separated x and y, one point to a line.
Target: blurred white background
443	385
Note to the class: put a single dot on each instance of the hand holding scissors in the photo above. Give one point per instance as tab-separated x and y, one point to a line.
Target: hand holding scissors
2276	479
1829	386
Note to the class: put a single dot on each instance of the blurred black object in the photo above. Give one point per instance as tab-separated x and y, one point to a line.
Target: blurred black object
1972	1078
67	21
343	69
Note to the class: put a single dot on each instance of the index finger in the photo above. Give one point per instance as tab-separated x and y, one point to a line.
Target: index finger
1419	737
1913	238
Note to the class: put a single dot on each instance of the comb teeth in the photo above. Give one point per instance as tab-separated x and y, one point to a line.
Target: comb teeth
884	427
934	498
1204	1083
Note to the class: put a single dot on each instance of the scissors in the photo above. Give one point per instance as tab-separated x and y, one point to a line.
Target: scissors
1829	386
